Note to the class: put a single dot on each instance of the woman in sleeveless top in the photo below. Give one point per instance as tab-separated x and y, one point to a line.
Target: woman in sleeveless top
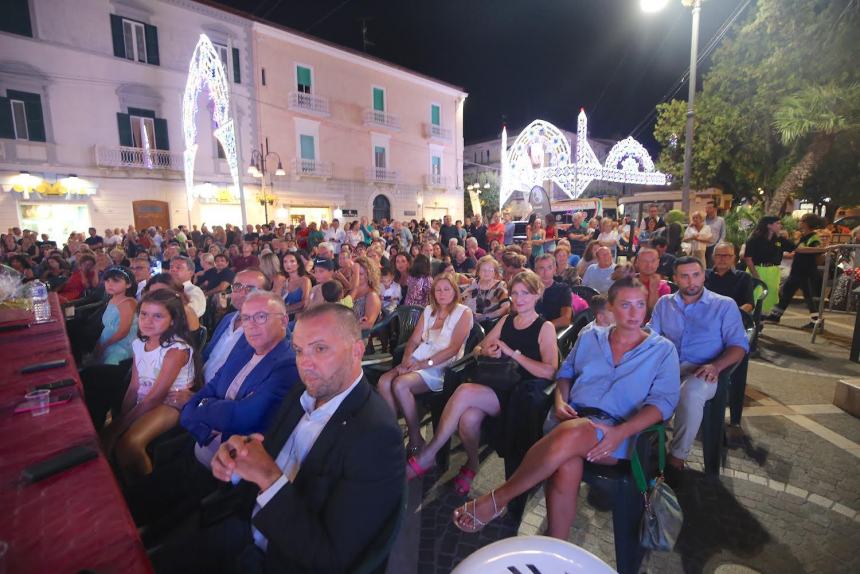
297	288
439	339
119	320
366	303
537	235
487	296
527	339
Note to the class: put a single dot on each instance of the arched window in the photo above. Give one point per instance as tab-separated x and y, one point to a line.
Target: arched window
381	208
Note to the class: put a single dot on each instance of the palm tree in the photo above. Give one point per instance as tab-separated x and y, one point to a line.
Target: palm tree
813	116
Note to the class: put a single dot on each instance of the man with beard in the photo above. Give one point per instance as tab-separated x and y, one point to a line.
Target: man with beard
709	336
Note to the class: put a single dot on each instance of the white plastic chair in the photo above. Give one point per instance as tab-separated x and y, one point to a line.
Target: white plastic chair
532	555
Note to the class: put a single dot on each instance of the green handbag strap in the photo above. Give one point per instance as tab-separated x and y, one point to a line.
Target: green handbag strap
636	465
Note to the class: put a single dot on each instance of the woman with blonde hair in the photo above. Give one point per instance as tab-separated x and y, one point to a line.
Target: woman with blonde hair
527	340
439	338
487	295
270	265
698	235
366	303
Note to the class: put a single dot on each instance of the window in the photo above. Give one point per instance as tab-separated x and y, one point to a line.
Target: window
222	54
306	143
140	128
16	18
378	99
303	79
133	40
226	58
263	75
379	157
435	115
21	116
436	166
219	149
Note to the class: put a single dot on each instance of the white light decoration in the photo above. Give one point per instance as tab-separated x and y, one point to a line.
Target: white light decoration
542	153
206	68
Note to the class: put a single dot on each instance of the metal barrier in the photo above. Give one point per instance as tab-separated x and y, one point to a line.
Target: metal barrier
833	255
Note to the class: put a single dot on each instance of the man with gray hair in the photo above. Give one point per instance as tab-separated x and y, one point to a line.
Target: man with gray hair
182	269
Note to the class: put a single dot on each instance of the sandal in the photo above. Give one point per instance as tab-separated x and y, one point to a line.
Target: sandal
477	523
463	481
417	468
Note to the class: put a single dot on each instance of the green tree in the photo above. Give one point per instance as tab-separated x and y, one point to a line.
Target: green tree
489	195
784	50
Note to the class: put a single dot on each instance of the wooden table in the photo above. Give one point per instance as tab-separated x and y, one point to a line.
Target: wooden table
74	520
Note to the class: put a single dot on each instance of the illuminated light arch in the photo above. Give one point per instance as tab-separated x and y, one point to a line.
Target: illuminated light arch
523	167
206	69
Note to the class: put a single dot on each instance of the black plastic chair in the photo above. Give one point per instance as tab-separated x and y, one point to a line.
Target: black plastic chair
200	336
585	292
375	558
566	337
402	322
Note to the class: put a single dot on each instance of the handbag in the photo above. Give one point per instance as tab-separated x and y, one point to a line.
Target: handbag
498	374
663	517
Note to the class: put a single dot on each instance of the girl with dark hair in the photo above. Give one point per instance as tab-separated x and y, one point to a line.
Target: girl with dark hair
297	289
119	323
164	362
763	253
402	263
418	283
166	281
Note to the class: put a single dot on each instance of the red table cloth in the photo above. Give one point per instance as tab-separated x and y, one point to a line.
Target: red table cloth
74	520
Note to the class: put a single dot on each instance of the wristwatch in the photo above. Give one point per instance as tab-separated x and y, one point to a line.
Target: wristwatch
429	362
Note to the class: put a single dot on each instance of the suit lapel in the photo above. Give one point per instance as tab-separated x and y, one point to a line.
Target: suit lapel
288	417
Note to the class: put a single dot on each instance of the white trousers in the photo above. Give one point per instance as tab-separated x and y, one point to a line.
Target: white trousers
695	392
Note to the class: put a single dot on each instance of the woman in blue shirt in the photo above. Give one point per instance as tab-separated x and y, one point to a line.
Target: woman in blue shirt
616	382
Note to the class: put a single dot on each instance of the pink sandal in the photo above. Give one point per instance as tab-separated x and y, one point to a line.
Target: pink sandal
417	468
463	481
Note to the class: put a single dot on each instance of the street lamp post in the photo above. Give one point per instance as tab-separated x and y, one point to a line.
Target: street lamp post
653	6
257	168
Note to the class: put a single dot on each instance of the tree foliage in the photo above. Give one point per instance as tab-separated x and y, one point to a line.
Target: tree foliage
785	55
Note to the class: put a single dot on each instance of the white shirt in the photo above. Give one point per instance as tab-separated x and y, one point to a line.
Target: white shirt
205	453
336	237
196	298
140	286
222	350
298	446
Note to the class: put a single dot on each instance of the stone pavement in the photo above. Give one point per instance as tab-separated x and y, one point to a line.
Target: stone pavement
788	499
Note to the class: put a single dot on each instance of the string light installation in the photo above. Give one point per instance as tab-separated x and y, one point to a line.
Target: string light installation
541	153
206	69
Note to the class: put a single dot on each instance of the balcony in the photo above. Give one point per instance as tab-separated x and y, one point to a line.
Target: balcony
435	132
435	180
381	119
138	158
308	104
380	175
312	168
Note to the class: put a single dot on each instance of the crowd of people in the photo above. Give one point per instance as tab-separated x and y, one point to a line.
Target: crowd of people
251	340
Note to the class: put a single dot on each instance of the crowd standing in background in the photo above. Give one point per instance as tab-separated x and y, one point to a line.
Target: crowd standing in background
232	333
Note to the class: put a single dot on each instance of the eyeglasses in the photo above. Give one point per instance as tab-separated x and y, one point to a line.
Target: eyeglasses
243	287
258	318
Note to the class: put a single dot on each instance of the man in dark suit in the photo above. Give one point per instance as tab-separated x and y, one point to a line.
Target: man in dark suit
318	490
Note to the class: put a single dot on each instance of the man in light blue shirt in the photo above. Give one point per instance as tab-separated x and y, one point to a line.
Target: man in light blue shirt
709	335
599	275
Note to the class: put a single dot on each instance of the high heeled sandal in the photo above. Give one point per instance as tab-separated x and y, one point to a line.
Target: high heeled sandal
477	523
463	481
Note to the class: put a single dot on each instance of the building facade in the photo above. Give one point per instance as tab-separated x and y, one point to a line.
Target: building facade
357	136
91	125
90	112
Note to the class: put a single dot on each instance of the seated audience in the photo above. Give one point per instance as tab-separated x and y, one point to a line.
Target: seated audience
182	269
487	295
391	291
667	260
229	334
419	281
724	279
217	278
555	304
589	256
164	361
166	281
616	382
698	234
513	263
323	273
82	279
313	497
647	263
603	317
526	339
245	392
296	289
599	275
142	272
246	259
439	338
366	303
709	336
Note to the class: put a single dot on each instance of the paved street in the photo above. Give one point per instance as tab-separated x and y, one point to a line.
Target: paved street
788	500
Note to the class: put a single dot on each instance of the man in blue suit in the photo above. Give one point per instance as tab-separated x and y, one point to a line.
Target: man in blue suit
228	336
246	391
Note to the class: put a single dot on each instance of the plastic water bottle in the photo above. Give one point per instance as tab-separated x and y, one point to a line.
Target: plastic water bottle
39	299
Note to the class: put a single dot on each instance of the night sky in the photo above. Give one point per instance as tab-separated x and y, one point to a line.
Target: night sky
521	60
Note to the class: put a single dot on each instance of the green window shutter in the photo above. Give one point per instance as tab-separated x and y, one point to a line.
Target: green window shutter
237	74
141	113
123	123
379	99
307	145
16	18
118	37
33	111
151	33
435	115
7	128
161	139
304	76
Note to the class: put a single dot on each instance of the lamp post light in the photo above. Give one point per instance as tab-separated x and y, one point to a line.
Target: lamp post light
696	5
257	168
